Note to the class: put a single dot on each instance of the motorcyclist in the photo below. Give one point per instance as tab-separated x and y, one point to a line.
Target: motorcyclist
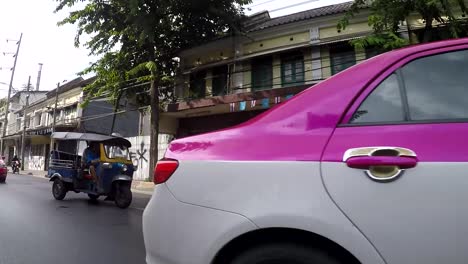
15	162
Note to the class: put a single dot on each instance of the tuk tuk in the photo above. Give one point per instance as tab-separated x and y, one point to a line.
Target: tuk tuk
112	167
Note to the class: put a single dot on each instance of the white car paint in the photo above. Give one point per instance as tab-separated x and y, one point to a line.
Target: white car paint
170	225
419	218
223	200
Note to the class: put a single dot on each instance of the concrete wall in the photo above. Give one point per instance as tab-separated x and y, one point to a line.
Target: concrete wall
35	149
354	28
277	42
140	155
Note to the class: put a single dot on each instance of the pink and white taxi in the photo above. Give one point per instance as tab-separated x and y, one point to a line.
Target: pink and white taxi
369	166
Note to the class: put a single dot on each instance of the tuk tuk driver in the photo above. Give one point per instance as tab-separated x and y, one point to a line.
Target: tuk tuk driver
91	158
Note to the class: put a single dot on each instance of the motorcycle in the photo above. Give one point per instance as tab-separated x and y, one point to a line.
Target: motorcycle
15	166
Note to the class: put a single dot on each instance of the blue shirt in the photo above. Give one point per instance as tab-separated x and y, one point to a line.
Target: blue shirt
90	156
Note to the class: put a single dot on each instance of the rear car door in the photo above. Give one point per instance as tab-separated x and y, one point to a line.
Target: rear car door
397	165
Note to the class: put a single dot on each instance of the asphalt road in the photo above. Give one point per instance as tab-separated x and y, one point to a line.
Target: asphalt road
35	228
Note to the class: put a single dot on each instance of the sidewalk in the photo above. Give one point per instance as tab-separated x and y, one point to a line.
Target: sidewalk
142	187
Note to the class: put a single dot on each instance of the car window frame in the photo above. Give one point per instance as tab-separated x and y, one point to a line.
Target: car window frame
396	68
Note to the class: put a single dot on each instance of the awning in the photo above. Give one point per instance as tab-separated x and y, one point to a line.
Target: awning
16	136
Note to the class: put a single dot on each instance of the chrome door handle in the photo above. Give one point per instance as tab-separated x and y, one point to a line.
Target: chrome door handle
381	163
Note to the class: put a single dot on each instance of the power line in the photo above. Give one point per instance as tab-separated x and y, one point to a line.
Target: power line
292	5
249	85
259	4
245	86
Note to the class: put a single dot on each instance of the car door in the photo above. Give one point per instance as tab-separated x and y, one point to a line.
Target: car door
397	165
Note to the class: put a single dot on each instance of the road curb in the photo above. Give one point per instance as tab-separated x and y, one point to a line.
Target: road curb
142	192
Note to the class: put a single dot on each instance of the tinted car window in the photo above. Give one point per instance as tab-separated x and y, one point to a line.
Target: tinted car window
382	105
437	86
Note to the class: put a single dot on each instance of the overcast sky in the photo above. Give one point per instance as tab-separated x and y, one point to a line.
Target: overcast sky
44	42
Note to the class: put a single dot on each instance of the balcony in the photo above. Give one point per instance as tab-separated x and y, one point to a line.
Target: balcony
234	98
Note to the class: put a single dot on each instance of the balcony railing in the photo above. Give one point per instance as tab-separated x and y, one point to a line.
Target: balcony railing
17	127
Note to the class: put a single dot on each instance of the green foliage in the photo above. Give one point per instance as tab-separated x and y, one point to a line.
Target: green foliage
384	41
3	102
137	40
386	16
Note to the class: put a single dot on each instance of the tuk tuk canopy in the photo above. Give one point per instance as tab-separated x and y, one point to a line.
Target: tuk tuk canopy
91	137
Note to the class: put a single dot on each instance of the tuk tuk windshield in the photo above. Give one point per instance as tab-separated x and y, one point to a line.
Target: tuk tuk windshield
113	151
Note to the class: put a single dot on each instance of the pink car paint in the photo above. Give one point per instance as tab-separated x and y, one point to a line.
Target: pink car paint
366	162
299	130
427	146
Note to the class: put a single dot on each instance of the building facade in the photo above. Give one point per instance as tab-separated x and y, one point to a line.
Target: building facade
64	103
16	111
230	80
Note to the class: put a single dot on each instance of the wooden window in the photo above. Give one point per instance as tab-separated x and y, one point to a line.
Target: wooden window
342	56
262	73
220	80
292	69
373	51
198	84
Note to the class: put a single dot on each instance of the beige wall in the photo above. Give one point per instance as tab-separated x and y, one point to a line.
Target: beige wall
331	32
210	57
267	44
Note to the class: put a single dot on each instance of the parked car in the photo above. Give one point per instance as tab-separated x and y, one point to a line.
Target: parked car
369	166
3	171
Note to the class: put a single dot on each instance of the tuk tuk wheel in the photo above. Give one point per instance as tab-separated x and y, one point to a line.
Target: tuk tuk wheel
123	195
93	197
59	190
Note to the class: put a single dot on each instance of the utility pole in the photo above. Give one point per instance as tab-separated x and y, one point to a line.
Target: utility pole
7	107
39	76
23	137
55	116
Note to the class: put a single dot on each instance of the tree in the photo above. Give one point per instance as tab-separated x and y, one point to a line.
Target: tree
3	102
24	87
386	16
138	41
